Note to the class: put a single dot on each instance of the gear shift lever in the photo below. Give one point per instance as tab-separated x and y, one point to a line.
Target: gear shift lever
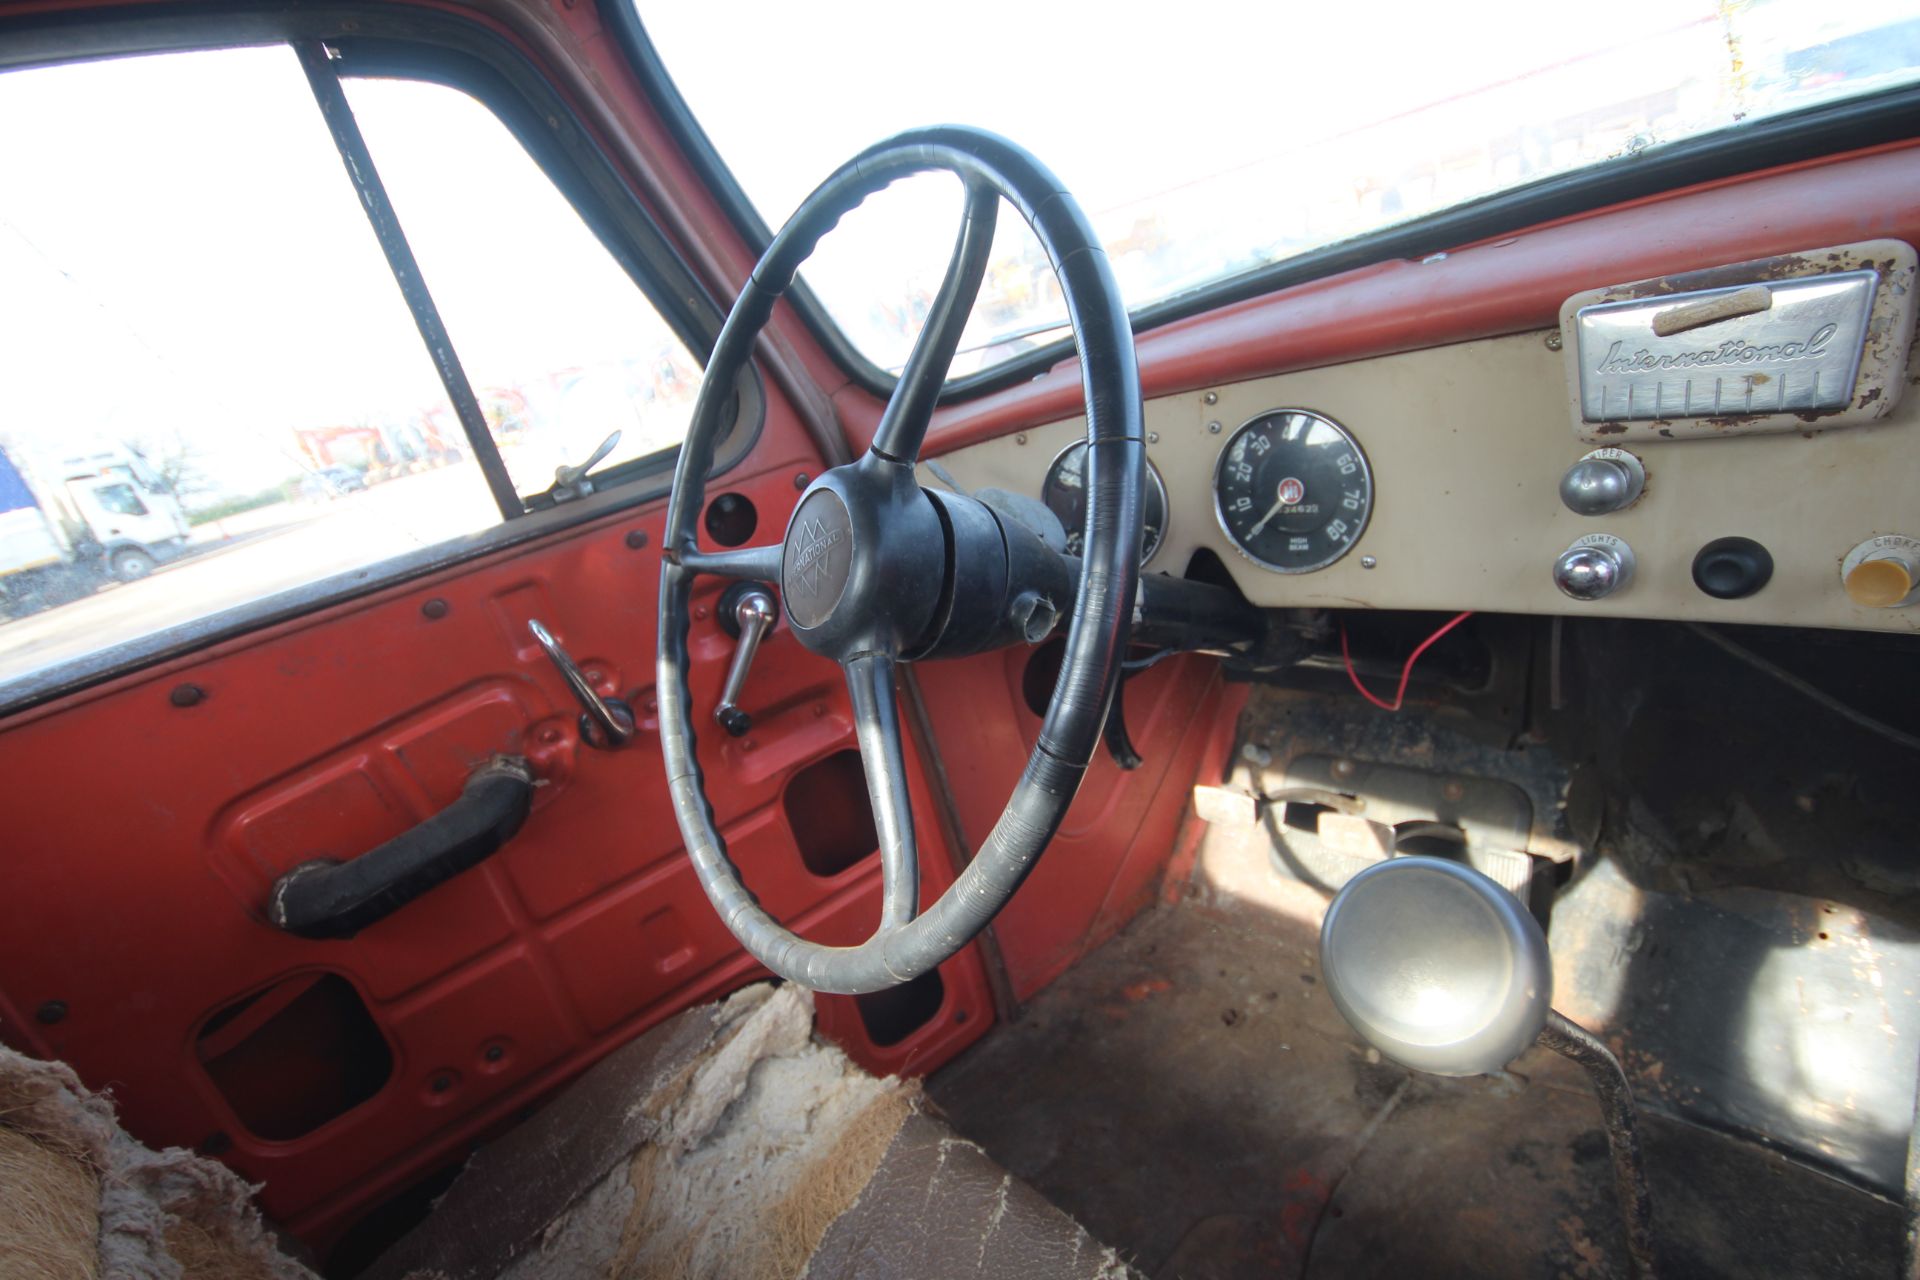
1443	970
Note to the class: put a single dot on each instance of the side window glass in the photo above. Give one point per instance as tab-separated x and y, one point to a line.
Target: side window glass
216	392
194	297
561	348
120	500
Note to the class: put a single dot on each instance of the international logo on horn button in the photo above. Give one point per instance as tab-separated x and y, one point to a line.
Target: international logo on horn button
811	548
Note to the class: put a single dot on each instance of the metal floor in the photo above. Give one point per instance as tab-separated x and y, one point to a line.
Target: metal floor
1189	1093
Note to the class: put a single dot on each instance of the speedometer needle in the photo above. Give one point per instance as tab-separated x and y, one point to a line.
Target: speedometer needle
1272	511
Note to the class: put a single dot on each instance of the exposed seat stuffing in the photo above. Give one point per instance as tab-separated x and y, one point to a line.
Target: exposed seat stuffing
730	1142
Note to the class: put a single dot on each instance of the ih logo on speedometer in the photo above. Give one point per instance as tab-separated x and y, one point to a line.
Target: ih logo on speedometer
1291	491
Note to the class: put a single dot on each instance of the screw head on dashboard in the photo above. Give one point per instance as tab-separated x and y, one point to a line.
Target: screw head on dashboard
1554	341
1213	428
1212	397
1367	562
1021	438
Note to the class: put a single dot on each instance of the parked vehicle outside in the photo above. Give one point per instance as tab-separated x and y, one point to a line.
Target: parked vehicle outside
69	526
332	482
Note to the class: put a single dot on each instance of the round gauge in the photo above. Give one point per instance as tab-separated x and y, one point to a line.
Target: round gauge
1065	493
1293	491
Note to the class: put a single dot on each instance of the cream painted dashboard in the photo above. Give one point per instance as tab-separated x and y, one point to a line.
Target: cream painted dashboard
1467	444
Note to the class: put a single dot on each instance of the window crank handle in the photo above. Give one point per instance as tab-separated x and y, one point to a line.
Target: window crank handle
749	607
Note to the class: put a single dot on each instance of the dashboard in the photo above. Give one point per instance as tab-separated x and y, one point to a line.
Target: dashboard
1478	476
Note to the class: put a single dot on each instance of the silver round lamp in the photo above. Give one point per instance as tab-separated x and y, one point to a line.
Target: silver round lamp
1437	966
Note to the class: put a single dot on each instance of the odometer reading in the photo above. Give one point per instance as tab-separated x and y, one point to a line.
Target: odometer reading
1293	491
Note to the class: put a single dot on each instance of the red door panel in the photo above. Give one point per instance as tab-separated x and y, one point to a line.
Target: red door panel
144	835
1107	859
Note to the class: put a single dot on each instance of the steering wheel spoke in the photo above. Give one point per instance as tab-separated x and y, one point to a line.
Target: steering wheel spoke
904	424
876	720
761	564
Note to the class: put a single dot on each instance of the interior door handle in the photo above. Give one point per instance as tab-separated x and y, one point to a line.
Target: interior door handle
327	898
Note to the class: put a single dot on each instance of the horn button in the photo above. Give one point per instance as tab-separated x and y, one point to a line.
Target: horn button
818	559
864	561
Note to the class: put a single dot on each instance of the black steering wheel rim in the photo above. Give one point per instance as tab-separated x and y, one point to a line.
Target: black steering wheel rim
878	488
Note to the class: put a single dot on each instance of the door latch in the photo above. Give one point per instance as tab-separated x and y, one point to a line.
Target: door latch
747	612
604	722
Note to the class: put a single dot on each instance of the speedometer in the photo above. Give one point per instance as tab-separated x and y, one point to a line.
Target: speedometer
1292	490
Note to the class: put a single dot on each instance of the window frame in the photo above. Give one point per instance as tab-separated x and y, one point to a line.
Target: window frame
1810	133
384	41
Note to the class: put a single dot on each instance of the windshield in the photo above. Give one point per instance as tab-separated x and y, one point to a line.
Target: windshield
1211	138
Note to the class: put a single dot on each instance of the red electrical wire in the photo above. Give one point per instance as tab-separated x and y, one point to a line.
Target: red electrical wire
1406	672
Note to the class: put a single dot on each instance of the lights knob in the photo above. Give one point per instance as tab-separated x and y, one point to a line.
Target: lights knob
1883	572
1594	567
1604	481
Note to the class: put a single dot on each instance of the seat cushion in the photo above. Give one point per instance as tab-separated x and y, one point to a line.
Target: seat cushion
730	1142
938	1205
80	1196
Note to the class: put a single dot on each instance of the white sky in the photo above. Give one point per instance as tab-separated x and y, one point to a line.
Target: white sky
1228	116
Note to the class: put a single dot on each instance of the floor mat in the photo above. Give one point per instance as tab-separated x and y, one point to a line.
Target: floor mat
1189	1093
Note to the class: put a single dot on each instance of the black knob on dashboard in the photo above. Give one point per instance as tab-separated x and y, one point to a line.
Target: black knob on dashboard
1732	568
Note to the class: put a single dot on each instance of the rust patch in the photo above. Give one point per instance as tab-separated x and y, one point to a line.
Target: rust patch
1784	267
1135	992
1589	1260
1307	1197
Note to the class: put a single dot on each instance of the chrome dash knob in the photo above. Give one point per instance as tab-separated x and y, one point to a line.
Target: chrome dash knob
1594	567
1604	481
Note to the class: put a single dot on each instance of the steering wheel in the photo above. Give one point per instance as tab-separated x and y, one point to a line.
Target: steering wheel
876	571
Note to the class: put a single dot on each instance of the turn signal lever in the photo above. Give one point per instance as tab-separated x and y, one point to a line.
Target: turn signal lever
747	612
1442	970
